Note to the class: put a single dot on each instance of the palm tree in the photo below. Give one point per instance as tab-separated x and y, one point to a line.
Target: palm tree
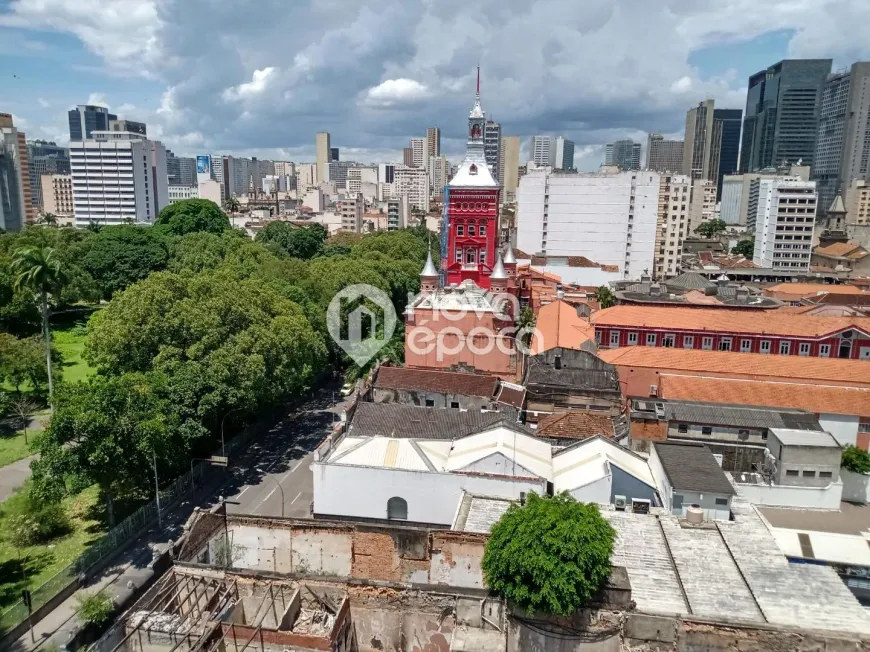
38	269
48	219
232	205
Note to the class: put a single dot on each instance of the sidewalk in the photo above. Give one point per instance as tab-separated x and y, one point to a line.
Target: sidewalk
12	476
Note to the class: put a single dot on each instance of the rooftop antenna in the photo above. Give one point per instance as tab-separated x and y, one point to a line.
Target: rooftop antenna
478	81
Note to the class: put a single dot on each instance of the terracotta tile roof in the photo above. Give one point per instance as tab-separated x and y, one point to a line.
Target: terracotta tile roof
742	364
558	324
725	321
809	289
443	382
842	250
575	425
820	399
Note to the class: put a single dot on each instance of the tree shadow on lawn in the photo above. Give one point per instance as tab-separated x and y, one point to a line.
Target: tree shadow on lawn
17	572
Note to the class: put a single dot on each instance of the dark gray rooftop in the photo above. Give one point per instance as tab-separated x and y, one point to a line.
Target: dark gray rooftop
733	416
692	467
410	421
689	281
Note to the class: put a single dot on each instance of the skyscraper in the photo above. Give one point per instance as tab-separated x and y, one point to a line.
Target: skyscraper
181	170
418	152
44	158
510	163
334	154
625	154
783	105
85	119
433	141
698	142
324	155
16	205
726	133
664	155
492	147
408	157
564	154
843	144
128	125
542	150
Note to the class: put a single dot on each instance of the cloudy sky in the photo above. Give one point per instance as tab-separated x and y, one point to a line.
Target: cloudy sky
260	78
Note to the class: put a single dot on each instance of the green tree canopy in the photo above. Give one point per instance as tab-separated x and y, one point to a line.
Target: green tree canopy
745	248
298	242
855	459
550	555
604	296
190	215
201	251
710	228
119	256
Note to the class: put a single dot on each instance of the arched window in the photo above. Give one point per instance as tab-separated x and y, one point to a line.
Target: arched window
397	508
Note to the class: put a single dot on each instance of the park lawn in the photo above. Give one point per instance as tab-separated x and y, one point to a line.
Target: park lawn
42	562
71	344
13	448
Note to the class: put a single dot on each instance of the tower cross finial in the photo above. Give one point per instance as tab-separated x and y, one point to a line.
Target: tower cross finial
478	80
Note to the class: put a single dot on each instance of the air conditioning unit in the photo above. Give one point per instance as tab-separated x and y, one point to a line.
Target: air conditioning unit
640	505
653	390
620	502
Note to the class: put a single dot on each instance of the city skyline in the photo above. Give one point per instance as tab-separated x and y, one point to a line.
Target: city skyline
268	104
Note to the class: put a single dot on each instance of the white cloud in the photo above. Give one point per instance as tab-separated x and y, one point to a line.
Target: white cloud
43	103
259	82
124	110
97	99
395	91
682	85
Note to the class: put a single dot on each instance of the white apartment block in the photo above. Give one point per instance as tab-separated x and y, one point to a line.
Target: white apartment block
306	176
439	169
542	150
357	176
351	208
413	183
858	202
118	177
783	214
180	193
608	218
57	196
672	225
398	211
419	152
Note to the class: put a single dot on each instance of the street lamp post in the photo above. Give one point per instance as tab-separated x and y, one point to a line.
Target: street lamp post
223	447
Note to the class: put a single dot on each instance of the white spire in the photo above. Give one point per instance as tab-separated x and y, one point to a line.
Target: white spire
498	272
477	110
509	256
429	269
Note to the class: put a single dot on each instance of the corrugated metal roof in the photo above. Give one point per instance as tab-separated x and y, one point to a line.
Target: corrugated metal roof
410	421
738	416
789	437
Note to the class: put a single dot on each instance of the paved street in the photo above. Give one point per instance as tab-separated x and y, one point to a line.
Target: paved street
276	472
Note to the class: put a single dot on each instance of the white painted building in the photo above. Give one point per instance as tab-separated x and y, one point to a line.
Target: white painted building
542	150
608	218
419	154
180	193
398	212
306	176
413	182
211	190
118	177
439	169
358	177
783	213
351	208
703	205
673	224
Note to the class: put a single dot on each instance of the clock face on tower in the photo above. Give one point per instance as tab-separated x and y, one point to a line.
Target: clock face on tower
475	131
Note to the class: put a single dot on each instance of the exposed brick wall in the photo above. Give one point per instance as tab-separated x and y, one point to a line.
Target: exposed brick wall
374	557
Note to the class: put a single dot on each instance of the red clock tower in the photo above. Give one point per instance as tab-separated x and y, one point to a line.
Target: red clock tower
470	221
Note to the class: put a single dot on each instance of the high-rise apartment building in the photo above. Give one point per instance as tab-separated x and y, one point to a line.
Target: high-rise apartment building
338	172
351	207
57	194
857	202
783	215
624	154
412	182
664	155
703	202
672	223
418	152
439	169
118	177
16	201
736	189
306	176
608	218
433	142
324	155
386	181
492	148
564	154
843	143
510	163
542	150
783	105
398	212
408	157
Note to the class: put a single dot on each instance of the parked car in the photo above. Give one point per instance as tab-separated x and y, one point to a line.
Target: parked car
347	389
